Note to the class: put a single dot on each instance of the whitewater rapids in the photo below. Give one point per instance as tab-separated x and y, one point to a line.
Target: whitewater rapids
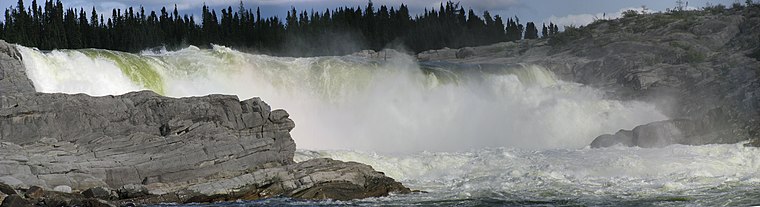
466	134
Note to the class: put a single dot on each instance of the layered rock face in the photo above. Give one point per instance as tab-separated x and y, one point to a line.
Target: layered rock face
12	76
144	148
137	138
698	67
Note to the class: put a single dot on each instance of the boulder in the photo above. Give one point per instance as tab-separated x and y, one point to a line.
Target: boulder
313	179
35	192
465	53
16	201
132	191
7	189
98	192
656	134
668	132
62	189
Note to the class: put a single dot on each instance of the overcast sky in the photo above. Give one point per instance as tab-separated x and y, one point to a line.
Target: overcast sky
563	12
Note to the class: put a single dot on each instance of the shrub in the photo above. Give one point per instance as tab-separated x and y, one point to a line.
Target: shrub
571	33
737	6
717	9
630	13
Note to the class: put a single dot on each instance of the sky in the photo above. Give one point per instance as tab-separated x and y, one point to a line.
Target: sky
562	12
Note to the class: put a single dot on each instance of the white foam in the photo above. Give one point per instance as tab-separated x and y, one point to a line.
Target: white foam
704	175
68	71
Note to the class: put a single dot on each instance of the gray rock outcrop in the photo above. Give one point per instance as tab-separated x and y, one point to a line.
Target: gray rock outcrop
136	138
154	149
13	77
465	53
713	128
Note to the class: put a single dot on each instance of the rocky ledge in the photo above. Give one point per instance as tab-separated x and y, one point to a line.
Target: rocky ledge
143	148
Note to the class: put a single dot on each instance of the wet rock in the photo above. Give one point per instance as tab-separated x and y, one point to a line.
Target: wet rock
35	192
132	191
91	203
622	138
278	115
98	192
312	179
668	132
16	201
383	55
7	189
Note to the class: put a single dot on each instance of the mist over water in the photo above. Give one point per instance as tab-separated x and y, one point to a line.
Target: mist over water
349	102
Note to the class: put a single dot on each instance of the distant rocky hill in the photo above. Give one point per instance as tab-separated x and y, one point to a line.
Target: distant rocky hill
699	67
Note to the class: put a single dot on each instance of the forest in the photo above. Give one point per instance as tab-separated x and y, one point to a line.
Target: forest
338	31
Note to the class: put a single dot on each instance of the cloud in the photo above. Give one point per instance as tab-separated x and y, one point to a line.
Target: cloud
492	5
585	19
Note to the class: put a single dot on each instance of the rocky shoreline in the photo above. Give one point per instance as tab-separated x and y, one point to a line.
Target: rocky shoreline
143	148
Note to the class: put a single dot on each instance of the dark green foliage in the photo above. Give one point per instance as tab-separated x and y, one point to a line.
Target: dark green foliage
544	31
332	32
717	9
553	30
630	13
570	34
531	32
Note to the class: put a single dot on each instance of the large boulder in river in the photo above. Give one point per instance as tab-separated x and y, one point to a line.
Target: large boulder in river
709	130
656	134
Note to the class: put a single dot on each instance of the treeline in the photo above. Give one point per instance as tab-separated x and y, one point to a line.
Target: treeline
302	33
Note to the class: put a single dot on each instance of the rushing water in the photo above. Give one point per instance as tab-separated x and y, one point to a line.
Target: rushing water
465	134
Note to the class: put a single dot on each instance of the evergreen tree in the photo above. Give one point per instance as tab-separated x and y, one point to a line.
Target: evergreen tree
544	31
51	26
531	32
